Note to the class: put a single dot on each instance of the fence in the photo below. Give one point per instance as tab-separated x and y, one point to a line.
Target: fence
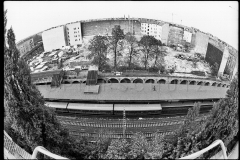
13	148
20	153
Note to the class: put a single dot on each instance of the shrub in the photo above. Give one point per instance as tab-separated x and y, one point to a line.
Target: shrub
153	69
198	73
162	68
214	69
122	68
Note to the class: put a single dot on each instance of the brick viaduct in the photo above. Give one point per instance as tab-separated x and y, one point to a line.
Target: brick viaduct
154	80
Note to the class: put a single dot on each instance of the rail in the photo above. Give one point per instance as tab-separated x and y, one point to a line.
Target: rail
20	153
214	144
14	149
46	152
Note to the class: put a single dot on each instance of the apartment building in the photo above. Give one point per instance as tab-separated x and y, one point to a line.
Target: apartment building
73	34
187	36
154	30
25	46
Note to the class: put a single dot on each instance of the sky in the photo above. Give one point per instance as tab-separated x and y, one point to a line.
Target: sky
220	18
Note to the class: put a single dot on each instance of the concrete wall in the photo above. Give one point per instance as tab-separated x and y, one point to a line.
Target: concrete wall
201	43
224	61
165	31
216	43
175	35
213	55
235	70
105	27
54	38
231	63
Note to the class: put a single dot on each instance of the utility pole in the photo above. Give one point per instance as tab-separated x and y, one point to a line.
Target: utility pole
124	123
128	24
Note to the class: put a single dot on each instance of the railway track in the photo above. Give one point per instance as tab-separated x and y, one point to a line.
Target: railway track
165	113
90	125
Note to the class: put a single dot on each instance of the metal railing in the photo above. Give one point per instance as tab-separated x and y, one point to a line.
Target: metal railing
13	148
18	152
45	152
214	144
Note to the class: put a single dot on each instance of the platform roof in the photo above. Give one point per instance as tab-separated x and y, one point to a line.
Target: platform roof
133	91
87	106
137	107
57	104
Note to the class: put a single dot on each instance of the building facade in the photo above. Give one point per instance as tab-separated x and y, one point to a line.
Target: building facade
187	36
54	38
154	30
25	46
74	34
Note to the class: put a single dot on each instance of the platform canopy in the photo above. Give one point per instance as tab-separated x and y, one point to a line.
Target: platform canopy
137	107
57	104
88	106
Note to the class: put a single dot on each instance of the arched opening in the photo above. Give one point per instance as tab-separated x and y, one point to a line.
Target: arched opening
84	82
74	82
223	85
161	81
219	85
125	80
214	84
113	80
150	81
66	82
200	83
101	81
207	84
184	82
175	81
138	80
192	83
